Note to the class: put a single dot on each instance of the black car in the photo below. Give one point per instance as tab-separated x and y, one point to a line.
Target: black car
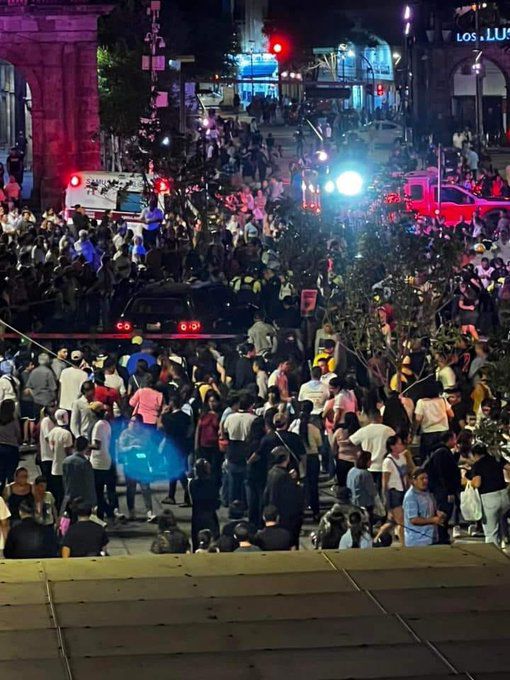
191	309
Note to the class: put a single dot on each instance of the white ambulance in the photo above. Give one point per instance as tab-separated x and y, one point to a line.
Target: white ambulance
121	192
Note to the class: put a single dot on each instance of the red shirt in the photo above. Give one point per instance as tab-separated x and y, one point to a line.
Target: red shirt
107	396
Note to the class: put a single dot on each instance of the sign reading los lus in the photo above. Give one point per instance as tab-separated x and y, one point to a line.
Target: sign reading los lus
500	34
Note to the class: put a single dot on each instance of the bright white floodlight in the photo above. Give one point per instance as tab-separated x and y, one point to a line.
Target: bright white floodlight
329	187
349	183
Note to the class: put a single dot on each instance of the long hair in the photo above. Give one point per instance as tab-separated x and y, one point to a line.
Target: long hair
304	419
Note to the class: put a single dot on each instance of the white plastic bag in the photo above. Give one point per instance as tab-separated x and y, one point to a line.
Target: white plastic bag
471	504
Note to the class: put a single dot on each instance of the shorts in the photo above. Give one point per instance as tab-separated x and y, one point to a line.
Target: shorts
27	410
394	499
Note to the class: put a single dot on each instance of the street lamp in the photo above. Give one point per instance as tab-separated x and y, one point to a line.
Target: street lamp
370	69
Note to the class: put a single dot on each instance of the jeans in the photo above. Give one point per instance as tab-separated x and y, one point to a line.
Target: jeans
9	461
131	493
105	507
494	505
443	536
236	477
254	496
313	467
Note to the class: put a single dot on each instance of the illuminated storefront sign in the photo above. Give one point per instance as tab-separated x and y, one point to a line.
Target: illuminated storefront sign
501	34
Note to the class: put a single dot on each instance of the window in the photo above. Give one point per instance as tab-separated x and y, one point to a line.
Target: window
454	195
130	202
416	193
163	308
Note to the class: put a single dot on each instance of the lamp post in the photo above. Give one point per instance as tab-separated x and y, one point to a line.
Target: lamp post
370	69
408	79
478	71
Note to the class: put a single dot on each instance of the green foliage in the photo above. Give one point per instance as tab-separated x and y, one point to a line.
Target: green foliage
123	89
490	433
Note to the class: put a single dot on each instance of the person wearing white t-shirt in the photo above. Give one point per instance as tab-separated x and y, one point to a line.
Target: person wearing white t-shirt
315	391
113	380
445	373
60	442
104	472
71	380
395	482
373	438
46	455
4	522
432	415
345	400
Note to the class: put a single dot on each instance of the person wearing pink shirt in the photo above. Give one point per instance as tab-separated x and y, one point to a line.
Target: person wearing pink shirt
147	402
12	191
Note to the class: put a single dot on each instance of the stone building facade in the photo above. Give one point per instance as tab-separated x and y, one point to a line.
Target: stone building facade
53	44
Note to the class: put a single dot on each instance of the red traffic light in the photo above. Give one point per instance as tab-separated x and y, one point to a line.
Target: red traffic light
380	91
161	185
280	47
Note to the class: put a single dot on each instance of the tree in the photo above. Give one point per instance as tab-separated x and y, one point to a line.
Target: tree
392	293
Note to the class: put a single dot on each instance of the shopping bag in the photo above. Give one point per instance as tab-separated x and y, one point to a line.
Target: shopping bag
471	504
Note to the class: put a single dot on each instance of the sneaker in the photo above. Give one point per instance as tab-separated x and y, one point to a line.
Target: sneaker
151	517
169	500
119	515
472	530
456	533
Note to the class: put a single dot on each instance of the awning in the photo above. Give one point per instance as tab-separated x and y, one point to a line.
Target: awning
259	71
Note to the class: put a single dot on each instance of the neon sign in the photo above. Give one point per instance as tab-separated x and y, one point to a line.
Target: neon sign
501	34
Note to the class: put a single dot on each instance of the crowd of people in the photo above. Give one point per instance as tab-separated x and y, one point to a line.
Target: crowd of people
281	427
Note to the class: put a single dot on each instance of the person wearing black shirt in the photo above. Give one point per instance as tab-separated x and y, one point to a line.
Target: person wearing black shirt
84	538
28	539
227	541
176	426
461	409
242	369
487	475
204	501
273	536
445	480
257	464
285	494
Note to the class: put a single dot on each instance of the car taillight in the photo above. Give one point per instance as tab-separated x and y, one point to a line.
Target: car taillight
189	327
124	326
75	180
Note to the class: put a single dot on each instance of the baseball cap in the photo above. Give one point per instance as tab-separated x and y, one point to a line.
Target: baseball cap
62	417
76	355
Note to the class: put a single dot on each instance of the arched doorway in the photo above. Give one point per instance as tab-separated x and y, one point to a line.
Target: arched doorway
494	98
16	128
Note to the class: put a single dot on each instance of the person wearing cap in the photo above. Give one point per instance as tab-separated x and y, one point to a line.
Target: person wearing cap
101	460
83	417
60	444
41	384
71	380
